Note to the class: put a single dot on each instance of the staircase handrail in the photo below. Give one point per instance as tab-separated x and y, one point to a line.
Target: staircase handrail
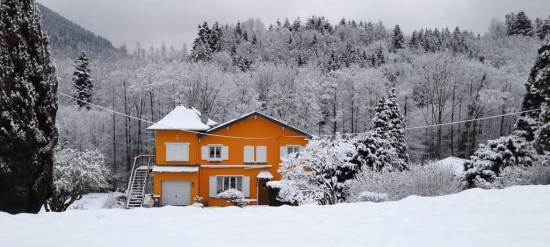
146	182
132	176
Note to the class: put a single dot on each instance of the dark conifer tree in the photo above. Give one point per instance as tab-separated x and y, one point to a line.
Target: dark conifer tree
543	133
254	39
522	25
537	93
333	63
397	39
380	58
215	39
296	25
28	103
544	29
83	82
413	43
538	28
202	50
385	146
287	24
541	86
519	24
510	20
389	123
238	30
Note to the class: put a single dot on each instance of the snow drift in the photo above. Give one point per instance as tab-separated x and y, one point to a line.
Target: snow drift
516	216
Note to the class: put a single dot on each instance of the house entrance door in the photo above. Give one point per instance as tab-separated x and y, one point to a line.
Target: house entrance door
263	198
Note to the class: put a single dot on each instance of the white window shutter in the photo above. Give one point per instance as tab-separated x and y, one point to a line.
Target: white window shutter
261	154
212	186
225	152
184	152
248	154
283	152
246	186
204	152
169	152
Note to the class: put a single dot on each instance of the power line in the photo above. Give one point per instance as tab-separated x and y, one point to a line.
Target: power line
443	124
151	122
269	138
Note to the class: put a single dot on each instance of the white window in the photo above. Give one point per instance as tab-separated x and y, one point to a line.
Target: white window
215	152
229	182
248	154
292	149
261	154
177	151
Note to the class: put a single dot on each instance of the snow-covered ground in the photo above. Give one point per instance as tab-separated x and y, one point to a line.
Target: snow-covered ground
517	216
94	201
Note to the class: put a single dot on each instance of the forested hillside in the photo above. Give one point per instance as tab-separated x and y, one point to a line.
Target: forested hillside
322	77
68	39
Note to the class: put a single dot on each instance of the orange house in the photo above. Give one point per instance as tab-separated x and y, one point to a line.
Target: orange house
195	156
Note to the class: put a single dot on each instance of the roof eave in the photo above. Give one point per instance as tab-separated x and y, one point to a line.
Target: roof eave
243	117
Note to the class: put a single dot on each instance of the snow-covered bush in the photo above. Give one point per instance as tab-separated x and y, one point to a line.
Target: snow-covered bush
319	174
488	162
234	196
114	201
427	180
76	173
367	196
197	202
538	173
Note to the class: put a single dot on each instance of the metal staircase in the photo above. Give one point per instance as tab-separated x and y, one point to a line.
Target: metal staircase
139	179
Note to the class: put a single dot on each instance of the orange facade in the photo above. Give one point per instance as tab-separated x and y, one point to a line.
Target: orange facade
258	132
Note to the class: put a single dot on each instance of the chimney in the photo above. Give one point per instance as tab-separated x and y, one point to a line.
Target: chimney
204	118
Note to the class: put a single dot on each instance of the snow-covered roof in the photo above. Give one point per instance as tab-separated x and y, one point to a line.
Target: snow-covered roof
175	169
265	174
273	184
456	163
182	118
255	113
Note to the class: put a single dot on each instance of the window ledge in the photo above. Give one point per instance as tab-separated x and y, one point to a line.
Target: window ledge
215	160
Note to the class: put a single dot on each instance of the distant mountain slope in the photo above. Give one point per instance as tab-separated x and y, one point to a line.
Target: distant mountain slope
67	39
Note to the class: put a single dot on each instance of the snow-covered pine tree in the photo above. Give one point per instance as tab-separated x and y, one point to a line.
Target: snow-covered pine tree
542	138
538	28
28	103
541	77
397	39
202	45
385	147
375	153
545	29
537	90
83	82
413	43
519	24
510	20
389	124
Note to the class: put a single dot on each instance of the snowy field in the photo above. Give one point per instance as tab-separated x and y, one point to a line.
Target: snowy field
517	216
94	201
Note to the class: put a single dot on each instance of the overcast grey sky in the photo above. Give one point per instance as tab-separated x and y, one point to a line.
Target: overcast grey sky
174	22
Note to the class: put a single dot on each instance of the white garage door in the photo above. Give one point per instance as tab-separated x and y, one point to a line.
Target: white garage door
176	193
